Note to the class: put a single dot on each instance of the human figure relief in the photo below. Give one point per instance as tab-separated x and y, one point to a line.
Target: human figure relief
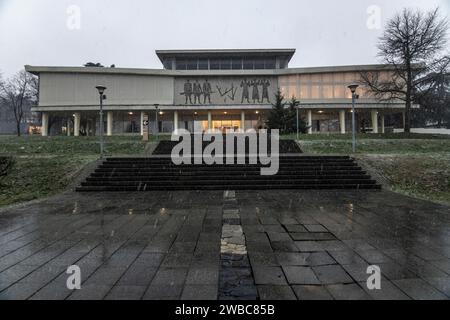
255	90
207	91
245	92
265	90
188	91
197	92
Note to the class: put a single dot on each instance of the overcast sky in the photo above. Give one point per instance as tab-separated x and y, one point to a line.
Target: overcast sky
126	33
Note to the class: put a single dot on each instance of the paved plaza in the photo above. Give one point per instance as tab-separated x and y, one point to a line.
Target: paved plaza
226	245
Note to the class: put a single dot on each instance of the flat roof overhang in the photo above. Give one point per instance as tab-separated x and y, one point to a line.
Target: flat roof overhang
149	107
146	107
210	73
225	53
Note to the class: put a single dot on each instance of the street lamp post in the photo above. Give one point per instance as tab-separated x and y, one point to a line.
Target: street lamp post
156	121
352	88
297	124
101	91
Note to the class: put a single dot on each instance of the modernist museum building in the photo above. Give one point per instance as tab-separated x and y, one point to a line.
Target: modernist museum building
201	89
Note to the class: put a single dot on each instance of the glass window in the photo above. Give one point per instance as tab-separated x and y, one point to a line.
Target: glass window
315	78
315	92
248	64
295	92
327	78
339	91
304	78
286	80
304	92
350	77
236	63
291	91
269	63
283	63
225	64
203	64
181	64
259	63
167	64
339	77
214	64
327	91
192	64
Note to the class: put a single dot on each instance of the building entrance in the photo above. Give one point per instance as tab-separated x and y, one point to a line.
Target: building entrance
223	125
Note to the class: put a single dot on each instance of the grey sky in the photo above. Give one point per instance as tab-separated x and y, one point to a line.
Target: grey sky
127	32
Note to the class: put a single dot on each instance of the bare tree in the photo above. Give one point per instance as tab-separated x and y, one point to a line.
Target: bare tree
411	44
17	93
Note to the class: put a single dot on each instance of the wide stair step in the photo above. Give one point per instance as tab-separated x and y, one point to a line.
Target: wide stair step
159	173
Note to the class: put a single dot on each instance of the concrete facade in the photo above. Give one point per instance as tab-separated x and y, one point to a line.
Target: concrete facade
201	89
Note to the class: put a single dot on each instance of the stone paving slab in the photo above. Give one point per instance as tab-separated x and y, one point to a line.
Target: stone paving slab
167	245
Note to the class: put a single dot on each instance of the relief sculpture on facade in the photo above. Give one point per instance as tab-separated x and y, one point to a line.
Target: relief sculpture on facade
198	93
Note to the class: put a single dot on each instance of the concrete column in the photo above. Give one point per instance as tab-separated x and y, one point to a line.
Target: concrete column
142	123
209	120
309	121
175	121
44	129
342	121
374	115
68	127
76	124
243	121
109	123
88	127
382	123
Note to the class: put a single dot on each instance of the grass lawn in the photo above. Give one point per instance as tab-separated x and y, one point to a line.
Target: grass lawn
32	145
421	175
366	136
376	146
36	176
46	165
412	164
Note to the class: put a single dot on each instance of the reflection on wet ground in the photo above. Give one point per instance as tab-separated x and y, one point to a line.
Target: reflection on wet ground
235	277
167	245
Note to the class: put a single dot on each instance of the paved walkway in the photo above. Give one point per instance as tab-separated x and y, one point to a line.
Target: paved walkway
167	245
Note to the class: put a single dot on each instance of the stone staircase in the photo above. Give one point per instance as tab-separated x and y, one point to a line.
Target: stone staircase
296	171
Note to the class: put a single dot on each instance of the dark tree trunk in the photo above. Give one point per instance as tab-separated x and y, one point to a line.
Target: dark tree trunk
408	97
18	129
408	115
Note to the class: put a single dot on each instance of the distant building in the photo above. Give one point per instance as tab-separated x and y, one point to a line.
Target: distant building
201	89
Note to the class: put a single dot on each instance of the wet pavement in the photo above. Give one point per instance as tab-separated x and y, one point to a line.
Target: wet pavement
210	245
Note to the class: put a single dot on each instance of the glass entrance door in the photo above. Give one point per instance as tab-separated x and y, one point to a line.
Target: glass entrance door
226	125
